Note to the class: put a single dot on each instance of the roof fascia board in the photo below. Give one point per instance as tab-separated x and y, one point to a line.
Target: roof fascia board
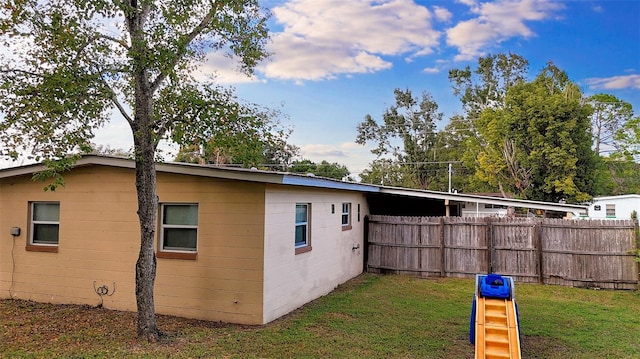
244	175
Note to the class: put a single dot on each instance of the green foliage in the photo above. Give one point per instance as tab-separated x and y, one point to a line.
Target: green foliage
619	176
53	172
628	140
538	145
610	121
78	66
486	86
324	169
407	135
387	172
480	89
217	128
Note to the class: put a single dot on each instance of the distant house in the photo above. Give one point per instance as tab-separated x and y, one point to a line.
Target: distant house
232	245
614	207
494	205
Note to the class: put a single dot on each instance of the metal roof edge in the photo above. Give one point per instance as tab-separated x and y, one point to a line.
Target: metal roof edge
321	182
621	196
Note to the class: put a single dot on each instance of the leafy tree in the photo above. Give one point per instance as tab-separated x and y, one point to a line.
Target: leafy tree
627	139
72	62
324	169
539	144
610	116
622	176
486	86
450	148
387	172
407	134
254	138
108	151
480	89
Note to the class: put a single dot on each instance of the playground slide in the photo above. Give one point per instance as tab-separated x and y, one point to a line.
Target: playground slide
495	328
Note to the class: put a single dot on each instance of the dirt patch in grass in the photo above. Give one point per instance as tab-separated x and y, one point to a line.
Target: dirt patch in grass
68	330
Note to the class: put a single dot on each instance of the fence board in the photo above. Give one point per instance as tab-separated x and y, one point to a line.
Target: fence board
586	253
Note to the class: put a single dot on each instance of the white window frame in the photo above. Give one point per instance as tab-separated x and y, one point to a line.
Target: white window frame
307	227
33	223
610	210
164	226
345	214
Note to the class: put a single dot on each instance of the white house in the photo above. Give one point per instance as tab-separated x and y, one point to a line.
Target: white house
614	207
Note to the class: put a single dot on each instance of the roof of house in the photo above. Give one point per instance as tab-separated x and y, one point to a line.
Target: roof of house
285	178
621	197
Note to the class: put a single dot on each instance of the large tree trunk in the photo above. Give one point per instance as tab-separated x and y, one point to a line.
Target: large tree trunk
146	264
147	209
144	151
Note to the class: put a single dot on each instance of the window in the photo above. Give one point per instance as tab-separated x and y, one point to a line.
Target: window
303	242
495	206
346	216
597	207
611	210
179	230
44	226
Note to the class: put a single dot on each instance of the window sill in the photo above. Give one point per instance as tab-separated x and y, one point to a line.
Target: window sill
177	255
40	248
346	228
304	249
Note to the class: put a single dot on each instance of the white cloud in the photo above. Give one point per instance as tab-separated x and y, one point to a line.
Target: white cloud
356	157
496	22
468	2
224	69
442	14
323	39
431	70
614	83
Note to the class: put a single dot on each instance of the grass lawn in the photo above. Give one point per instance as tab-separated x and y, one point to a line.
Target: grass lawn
369	317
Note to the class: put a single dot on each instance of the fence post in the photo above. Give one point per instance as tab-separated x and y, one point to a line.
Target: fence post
365	245
489	236
636	230
443	272
537	233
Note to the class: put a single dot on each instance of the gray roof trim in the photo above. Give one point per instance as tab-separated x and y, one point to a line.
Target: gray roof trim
622	196
310	181
463	197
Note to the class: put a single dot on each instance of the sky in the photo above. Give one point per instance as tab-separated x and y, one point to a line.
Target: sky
335	61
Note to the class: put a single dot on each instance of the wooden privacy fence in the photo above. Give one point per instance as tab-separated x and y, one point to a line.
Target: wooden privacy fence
581	253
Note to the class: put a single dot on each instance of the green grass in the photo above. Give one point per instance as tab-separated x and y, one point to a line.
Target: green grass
368	317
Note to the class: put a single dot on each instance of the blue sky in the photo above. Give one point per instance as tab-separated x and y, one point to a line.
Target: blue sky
335	61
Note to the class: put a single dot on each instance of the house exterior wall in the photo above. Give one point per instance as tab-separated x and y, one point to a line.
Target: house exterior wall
474	209
624	205
290	279
99	244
